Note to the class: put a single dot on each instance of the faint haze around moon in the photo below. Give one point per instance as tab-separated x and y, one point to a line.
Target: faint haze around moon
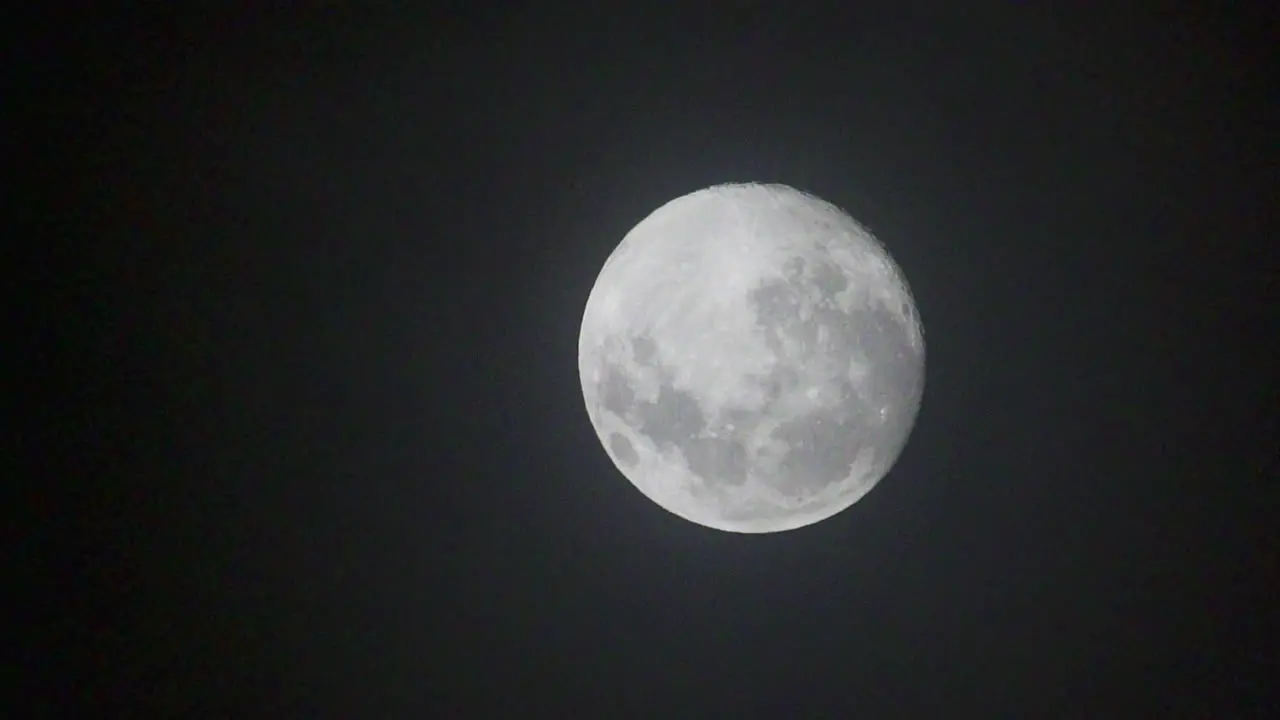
751	358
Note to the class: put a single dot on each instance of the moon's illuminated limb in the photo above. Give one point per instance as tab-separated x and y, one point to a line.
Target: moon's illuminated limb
751	358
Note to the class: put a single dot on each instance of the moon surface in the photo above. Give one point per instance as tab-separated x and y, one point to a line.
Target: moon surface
751	358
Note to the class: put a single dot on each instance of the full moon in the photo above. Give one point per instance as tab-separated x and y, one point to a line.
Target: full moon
751	358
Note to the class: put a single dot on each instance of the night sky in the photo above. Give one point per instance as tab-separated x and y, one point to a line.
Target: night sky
316	284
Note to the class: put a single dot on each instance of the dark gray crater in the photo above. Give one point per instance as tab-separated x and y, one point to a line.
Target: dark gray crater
622	450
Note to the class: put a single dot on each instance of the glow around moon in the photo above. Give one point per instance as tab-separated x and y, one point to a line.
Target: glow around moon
751	358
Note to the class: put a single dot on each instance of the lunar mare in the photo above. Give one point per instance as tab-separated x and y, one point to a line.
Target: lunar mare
751	358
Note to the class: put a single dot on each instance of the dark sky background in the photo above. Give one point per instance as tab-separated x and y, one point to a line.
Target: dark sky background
322	444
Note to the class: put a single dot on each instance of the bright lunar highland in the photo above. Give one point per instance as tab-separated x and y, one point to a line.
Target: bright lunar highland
751	358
